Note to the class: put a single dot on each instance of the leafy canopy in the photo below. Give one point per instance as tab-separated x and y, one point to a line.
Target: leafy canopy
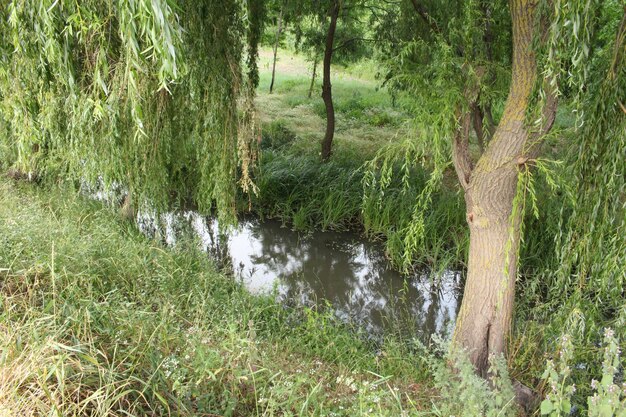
146	94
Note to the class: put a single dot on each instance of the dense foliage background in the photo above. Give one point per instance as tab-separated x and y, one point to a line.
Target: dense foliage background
164	104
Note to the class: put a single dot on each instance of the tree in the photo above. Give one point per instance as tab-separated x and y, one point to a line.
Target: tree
327	92
454	86
343	35
452	65
279	29
140	94
493	215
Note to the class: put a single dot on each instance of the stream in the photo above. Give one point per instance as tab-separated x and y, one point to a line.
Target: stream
340	270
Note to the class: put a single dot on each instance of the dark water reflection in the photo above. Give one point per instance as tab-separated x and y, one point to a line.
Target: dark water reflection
349	273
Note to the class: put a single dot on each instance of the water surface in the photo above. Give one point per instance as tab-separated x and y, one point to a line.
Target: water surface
341	270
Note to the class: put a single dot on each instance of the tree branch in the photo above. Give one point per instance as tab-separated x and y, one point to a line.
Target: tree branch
421	10
463	164
477	119
491	125
548	115
349	41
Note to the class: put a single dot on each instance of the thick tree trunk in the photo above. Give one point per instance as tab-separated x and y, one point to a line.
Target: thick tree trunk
327	94
484	321
313	76
278	32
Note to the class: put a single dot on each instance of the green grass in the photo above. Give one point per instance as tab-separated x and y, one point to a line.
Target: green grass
98	320
297	188
366	116
305	193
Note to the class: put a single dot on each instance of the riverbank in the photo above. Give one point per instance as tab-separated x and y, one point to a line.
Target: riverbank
304	193
97	317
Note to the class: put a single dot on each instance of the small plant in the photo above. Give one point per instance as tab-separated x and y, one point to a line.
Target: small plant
380	119
465	394
609	399
558	400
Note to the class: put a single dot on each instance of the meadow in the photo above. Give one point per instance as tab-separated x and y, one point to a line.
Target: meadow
97	319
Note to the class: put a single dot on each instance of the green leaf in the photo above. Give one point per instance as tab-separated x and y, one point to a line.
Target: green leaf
605	410
546	407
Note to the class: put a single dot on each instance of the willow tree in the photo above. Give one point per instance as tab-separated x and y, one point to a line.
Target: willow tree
455	66
584	291
142	94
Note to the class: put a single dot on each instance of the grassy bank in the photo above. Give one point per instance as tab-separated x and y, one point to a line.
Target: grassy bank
98	320
296	187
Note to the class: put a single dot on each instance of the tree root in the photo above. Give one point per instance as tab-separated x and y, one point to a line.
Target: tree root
526	398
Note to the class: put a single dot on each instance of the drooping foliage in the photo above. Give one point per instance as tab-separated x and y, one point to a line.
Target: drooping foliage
140	94
449	60
256	14
585	287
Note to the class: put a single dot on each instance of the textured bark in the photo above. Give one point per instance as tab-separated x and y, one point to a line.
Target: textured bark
477	120
278	32
313	76
327	93
484	320
460	152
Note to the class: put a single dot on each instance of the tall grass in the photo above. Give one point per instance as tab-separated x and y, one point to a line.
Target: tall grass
97	320
306	193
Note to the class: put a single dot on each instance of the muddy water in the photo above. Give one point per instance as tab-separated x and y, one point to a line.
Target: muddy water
340	270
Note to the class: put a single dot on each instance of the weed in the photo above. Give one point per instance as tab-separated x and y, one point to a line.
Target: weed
608	399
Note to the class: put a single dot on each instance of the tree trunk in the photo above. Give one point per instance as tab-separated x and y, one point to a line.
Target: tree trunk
278	31
477	120
313	77
327	94
484	320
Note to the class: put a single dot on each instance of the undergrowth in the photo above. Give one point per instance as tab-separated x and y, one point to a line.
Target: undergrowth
297	188
98	320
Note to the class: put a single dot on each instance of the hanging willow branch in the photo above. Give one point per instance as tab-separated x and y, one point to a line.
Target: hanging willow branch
138	93
595	237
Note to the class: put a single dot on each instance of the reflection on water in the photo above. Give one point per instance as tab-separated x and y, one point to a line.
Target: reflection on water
340	268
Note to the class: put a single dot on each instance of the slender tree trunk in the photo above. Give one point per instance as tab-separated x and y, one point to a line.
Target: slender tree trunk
484	321
278	32
313	77
327	94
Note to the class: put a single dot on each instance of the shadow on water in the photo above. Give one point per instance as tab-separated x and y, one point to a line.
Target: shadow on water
339	269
